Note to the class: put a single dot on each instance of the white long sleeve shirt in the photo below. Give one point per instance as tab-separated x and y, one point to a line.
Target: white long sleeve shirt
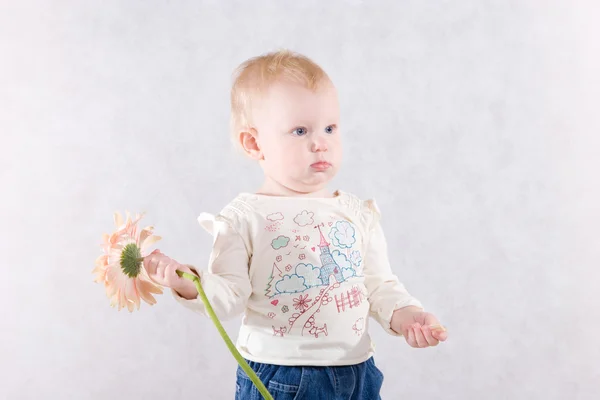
306	272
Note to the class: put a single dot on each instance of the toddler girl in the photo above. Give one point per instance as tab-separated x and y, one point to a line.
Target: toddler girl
305	266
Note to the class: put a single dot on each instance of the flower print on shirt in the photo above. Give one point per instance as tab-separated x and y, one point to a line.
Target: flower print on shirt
302	303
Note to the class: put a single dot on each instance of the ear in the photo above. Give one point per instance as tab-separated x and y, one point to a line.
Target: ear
249	142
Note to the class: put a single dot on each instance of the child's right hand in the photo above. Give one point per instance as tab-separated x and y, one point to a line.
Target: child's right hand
162	270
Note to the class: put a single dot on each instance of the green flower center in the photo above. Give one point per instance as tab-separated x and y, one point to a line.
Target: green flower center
130	263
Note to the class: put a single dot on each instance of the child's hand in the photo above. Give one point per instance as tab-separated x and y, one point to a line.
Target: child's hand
162	270
420	329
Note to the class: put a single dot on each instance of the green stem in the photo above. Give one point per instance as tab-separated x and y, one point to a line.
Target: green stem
259	385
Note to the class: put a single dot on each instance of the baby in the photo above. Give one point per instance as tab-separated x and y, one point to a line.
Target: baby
306	266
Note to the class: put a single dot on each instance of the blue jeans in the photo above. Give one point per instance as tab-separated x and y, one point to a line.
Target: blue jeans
349	382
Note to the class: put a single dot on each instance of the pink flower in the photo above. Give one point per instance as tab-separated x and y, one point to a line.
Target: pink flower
120	268
301	303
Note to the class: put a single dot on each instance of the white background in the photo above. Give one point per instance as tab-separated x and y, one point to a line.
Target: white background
474	124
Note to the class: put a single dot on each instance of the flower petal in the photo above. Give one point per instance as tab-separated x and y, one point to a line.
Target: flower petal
122	298
150	241
144	234
145	290
132	293
118	220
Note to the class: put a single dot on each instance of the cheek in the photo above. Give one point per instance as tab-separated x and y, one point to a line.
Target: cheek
336	148
290	150
278	155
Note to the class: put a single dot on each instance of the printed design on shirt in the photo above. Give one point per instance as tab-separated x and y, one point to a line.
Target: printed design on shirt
351	299
304	277
285	309
280	331
275	217
271	315
329	265
355	258
305	320
342	235
275	273
305	218
341	262
315	330
302	303
359	326
274	227
280	242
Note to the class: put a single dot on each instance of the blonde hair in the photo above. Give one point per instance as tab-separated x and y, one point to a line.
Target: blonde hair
254	76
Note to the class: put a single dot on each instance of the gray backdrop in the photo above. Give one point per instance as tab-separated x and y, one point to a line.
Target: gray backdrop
474	124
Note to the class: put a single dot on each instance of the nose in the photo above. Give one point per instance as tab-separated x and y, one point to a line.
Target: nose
319	143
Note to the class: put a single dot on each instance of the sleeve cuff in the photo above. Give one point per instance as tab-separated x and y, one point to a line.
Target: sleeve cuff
384	317
194	304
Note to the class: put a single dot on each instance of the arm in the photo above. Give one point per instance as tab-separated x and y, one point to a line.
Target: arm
385	292
226	281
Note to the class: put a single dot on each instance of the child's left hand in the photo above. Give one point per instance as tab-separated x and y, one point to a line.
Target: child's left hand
420	329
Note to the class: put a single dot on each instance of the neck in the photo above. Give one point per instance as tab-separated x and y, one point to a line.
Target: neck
271	187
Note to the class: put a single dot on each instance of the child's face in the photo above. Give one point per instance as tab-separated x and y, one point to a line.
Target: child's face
298	136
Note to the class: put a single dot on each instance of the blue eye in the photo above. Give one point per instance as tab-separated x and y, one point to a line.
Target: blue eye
330	129
299	131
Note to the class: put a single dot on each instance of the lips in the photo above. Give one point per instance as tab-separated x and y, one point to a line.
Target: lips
321	165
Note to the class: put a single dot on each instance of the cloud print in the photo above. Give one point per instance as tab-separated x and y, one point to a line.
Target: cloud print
280	242
290	284
355	258
342	234
309	273
305	218
348	272
275	217
341	259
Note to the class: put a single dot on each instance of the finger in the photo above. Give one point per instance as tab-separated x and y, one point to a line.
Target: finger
440	335
185	268
162	266
171	273
146	264
432	341
410	338
421	342
150	264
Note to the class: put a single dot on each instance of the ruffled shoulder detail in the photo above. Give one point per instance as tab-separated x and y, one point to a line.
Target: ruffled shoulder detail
235	214
371	213
207	221
365	211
